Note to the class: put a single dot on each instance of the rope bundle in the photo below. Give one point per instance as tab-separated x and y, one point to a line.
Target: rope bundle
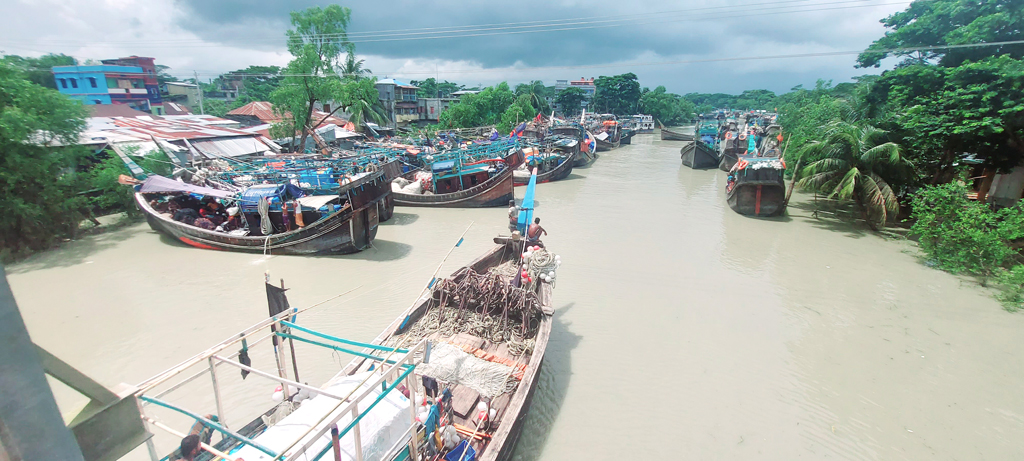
263	207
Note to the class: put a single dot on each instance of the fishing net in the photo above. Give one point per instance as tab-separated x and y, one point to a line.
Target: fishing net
453	365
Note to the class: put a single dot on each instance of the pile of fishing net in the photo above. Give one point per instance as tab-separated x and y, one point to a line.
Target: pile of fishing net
453	365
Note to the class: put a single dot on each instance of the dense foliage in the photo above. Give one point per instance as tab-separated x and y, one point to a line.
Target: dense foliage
480	109
668	108
39	204
39	70
965	236
316	42
571	100
431	88
618	94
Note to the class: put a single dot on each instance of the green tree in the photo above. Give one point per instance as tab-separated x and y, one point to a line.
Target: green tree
353	68
664	106
618	94
431	88
571	100
537	94
316	42
162	76
964	236
481	109
39	205
936	23
520	111
39	70
362	101
216	107
258	82
858	163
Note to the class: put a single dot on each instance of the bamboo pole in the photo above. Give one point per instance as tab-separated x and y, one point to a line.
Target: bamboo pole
278	378
356	434
216	393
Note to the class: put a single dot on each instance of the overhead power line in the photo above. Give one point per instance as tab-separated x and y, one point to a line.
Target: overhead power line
734	11
661	63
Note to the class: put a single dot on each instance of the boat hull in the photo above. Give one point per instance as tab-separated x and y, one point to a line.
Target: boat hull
758	193
557	173
603	146
627	137
584	159
504	438
698	156
349	230
496	191
670	135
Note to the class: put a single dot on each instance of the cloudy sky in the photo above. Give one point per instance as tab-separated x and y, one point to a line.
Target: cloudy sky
687	46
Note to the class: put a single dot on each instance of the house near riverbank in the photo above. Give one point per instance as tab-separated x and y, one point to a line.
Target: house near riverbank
259	116
185	140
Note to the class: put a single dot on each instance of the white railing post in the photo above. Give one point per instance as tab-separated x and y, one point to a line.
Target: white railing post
216	394
356	433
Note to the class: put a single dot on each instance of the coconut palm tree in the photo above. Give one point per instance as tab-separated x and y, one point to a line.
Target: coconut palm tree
858	163
536	90
353	68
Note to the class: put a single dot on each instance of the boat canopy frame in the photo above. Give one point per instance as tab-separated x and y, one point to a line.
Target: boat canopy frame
389	370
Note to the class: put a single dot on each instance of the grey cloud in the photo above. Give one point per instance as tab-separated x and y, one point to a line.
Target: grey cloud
731	33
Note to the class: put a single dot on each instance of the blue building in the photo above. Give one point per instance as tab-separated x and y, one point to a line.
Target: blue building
104	84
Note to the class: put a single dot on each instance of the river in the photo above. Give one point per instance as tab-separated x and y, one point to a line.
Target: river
682	329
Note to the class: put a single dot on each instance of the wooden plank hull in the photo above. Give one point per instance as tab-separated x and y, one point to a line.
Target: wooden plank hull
557	173
627	137
670	135
349	230
496	191
504	438
698	156
758	193
584	159
603	146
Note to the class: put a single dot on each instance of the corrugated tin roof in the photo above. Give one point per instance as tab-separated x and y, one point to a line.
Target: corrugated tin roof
172	108
230	147
264	111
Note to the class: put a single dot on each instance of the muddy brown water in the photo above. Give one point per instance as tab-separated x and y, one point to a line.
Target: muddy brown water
682	330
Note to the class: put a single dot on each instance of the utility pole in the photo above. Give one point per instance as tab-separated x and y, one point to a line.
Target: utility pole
199	89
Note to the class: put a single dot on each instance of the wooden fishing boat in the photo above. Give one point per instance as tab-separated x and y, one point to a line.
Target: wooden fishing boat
699	156
755	186
496	190
607	144
555	173
627	136
729	150
349	229
674	135
586	152
503	431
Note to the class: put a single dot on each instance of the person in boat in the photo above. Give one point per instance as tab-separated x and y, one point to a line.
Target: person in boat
534	233
513	216
213	210
190	446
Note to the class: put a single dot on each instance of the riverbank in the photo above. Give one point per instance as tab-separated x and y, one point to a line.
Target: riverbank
706	334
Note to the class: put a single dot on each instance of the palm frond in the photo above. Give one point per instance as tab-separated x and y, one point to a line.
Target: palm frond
887	153
817	181
846	187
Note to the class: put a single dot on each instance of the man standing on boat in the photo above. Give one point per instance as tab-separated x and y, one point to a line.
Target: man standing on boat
534	232
190	446
513	216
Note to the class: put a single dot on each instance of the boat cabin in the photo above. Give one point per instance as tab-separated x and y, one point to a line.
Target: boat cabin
448	178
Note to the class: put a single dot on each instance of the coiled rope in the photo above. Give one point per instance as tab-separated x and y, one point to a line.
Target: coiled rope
263	207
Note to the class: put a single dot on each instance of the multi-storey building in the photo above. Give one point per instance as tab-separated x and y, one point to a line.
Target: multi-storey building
131	81
399	101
